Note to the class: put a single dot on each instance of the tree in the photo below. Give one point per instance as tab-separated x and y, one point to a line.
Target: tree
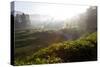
91	19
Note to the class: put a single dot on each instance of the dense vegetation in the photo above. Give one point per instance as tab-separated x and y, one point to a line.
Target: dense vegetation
82	49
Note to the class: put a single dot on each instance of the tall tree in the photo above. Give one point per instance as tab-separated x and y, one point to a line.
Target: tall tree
91	19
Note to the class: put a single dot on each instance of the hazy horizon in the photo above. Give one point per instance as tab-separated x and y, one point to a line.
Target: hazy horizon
57	11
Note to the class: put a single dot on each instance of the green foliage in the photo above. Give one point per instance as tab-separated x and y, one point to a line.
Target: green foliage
82	49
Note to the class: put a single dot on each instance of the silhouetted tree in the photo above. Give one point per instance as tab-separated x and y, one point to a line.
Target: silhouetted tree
91	19
22	21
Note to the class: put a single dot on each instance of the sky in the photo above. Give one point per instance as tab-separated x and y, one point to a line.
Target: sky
58	11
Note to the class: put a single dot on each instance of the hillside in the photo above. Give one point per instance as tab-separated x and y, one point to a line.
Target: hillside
82	49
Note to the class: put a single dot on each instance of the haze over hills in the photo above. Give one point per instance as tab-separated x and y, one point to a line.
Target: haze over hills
36	21
62	39
46	22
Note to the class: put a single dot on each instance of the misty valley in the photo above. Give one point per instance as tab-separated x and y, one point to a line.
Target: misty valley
44	39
